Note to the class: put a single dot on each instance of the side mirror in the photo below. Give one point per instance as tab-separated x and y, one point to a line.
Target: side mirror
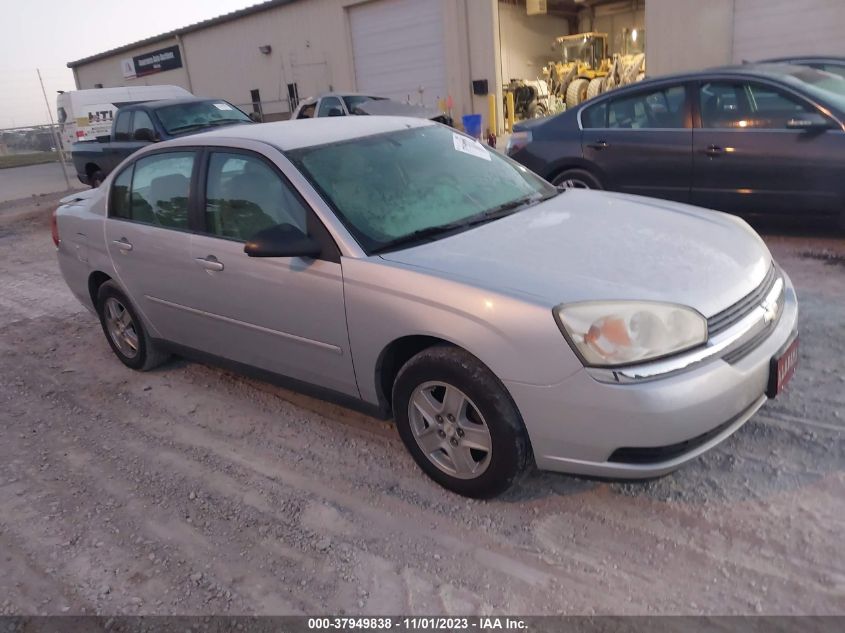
106	138
335	111
255	117
812	121
282	240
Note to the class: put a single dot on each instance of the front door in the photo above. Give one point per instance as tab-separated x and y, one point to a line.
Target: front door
642	142
747	158
285	315
148	240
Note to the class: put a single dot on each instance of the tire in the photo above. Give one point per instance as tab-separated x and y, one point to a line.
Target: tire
576	179
437	380
96	179
576	92
594	87
536	110
127	336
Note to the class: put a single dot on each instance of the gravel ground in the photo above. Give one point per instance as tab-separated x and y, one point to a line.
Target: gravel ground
193	490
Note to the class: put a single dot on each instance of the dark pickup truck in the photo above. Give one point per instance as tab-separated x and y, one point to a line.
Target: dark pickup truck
140	124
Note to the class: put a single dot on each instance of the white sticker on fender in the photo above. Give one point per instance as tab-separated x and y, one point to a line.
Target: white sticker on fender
470	146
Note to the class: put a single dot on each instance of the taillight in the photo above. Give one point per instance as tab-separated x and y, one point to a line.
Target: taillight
54	228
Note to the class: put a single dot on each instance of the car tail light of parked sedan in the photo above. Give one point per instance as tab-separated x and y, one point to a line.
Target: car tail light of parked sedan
54	228
400	264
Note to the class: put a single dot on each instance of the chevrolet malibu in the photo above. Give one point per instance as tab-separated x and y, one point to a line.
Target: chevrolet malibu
397	264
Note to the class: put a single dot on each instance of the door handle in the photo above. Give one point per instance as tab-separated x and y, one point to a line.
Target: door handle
123	244
598	145
210	262
714	150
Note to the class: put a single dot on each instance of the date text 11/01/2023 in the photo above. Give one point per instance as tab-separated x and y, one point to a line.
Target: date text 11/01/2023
417	623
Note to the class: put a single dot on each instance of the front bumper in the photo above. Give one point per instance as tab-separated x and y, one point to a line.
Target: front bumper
577	425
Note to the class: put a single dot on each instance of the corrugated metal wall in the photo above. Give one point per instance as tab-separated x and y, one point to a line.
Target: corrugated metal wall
765	28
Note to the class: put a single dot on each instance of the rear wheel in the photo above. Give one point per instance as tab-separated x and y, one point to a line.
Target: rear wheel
459	423
594	87
96	179
576	179
576	92
125	332
536	110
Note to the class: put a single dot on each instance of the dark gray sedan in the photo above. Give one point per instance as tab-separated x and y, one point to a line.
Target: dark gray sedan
751	139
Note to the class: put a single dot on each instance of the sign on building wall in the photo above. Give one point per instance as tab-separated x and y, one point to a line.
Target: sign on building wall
158	61
128	67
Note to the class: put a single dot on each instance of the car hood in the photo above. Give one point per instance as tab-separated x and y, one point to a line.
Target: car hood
591	245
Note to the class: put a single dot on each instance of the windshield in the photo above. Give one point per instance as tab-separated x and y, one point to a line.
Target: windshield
389	187
822	85
353	101
186	117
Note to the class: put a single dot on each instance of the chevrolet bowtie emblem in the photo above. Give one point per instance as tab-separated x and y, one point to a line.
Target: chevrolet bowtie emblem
770	311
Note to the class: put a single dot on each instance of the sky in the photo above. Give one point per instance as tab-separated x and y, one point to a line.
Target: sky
47	34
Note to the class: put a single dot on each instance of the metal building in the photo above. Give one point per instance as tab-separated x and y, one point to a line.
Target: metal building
268	56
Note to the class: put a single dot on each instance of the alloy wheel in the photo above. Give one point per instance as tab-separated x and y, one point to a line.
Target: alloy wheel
121	327
450	430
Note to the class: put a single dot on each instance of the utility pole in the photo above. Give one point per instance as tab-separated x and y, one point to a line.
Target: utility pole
56	140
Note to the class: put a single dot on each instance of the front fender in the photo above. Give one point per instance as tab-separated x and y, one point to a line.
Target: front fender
515	337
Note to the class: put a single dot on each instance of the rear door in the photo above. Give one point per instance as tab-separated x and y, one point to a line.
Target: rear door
641	142
148	238
747	159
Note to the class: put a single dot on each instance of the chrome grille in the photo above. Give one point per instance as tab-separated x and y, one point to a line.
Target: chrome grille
742	308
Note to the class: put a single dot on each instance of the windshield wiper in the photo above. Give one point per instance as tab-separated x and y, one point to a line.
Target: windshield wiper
421	235
489	215
185	128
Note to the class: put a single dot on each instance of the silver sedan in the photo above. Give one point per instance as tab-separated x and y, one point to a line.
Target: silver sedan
398	265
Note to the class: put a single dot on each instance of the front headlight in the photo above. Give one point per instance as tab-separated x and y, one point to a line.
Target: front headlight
623	332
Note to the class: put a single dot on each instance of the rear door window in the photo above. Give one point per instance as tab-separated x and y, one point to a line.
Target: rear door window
142	127
160	188
121	126
656	109
595	116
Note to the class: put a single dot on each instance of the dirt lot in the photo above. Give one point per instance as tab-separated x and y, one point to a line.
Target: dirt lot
192	490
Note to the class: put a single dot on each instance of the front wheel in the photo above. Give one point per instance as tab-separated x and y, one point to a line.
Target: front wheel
459	424
576	179
96	179
124	331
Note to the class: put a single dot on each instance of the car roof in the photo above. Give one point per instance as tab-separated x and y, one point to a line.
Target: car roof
163	103
776	71
298	133
830	59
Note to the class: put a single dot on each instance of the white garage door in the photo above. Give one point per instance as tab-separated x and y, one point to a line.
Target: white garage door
397	47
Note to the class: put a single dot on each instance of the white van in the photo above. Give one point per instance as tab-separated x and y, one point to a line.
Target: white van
84	115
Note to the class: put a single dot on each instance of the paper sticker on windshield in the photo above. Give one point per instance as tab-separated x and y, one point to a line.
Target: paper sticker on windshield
222	106
470	146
